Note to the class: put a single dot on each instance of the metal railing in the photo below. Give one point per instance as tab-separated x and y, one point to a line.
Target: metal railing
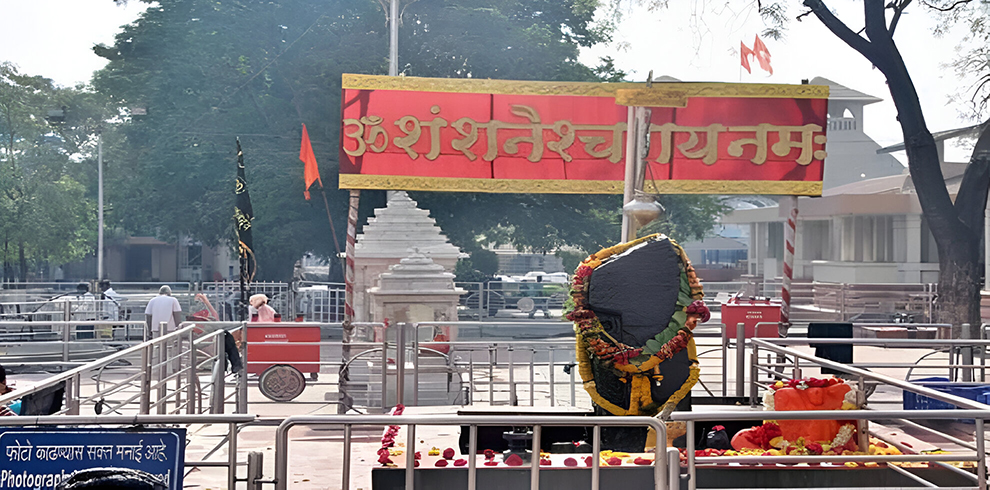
180	369
497	371
978	456
660	465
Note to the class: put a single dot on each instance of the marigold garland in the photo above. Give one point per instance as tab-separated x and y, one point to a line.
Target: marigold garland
635	364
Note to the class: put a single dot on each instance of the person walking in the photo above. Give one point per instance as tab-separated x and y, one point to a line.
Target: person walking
162	309
265	313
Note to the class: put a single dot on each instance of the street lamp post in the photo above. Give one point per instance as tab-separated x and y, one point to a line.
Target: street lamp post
99	212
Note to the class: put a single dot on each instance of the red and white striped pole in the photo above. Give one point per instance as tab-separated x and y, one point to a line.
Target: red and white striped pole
346	401
352	217
790	233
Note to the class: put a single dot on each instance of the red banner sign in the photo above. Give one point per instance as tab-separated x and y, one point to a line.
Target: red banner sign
404	133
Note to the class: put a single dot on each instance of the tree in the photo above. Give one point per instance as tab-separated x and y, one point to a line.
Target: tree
210	71
957	226
45	214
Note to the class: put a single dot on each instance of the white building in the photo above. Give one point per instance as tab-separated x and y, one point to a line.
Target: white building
867	227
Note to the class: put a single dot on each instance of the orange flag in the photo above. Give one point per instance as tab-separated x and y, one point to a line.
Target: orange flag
311	173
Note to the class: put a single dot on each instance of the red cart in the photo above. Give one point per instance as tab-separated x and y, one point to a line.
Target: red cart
750	312
281	353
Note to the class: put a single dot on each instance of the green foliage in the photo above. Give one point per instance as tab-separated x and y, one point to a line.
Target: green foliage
485	261
571	259
45	213
209	71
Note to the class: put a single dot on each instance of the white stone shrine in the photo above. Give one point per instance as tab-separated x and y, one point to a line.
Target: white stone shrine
388	238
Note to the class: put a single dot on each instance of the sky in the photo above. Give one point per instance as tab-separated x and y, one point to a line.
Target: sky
692	40
698	40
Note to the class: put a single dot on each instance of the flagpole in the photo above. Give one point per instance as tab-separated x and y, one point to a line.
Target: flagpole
333	231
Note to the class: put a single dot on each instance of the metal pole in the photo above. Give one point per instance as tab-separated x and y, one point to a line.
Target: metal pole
400	364
146	358
532	381
673	468
725	360
754	375
217	392
232	456
740	359
470	397
534	462
596	448
573	397
966	354
393	44
472	457
345	478
629	181
415	364
692	483
66	330
99	209
191	376
410	457
513	401
242	385
385	369
491	374
255	470
553	396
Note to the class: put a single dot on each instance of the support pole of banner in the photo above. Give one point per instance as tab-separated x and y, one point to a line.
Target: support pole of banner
629	182
346	401
788	204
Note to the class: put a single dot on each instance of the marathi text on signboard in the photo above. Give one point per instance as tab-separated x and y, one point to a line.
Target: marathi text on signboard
502	136
32	459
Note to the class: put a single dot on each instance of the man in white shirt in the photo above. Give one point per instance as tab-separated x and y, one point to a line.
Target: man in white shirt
163	308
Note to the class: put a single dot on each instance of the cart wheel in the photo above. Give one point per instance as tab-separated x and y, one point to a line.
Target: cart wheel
281	383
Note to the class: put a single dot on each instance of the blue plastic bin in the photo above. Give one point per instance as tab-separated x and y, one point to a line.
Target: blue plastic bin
914	401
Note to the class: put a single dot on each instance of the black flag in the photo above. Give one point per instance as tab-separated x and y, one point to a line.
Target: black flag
243	215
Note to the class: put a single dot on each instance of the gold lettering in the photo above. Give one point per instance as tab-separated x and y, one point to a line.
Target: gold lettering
565	130
435	126
736	147
536	137
783	147
373	123
411	126
464	144
708	153
591	143
357	134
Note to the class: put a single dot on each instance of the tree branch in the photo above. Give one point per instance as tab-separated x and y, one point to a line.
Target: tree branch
945	9
898	9
971	201
876	23
840	30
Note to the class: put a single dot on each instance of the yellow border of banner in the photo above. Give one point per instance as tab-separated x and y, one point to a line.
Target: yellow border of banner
632	92
453	184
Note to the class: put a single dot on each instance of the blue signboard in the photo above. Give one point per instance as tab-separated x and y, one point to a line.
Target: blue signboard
41	458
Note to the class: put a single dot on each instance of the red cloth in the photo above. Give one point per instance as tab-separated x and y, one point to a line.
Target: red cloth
311	172
744	54
762	55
